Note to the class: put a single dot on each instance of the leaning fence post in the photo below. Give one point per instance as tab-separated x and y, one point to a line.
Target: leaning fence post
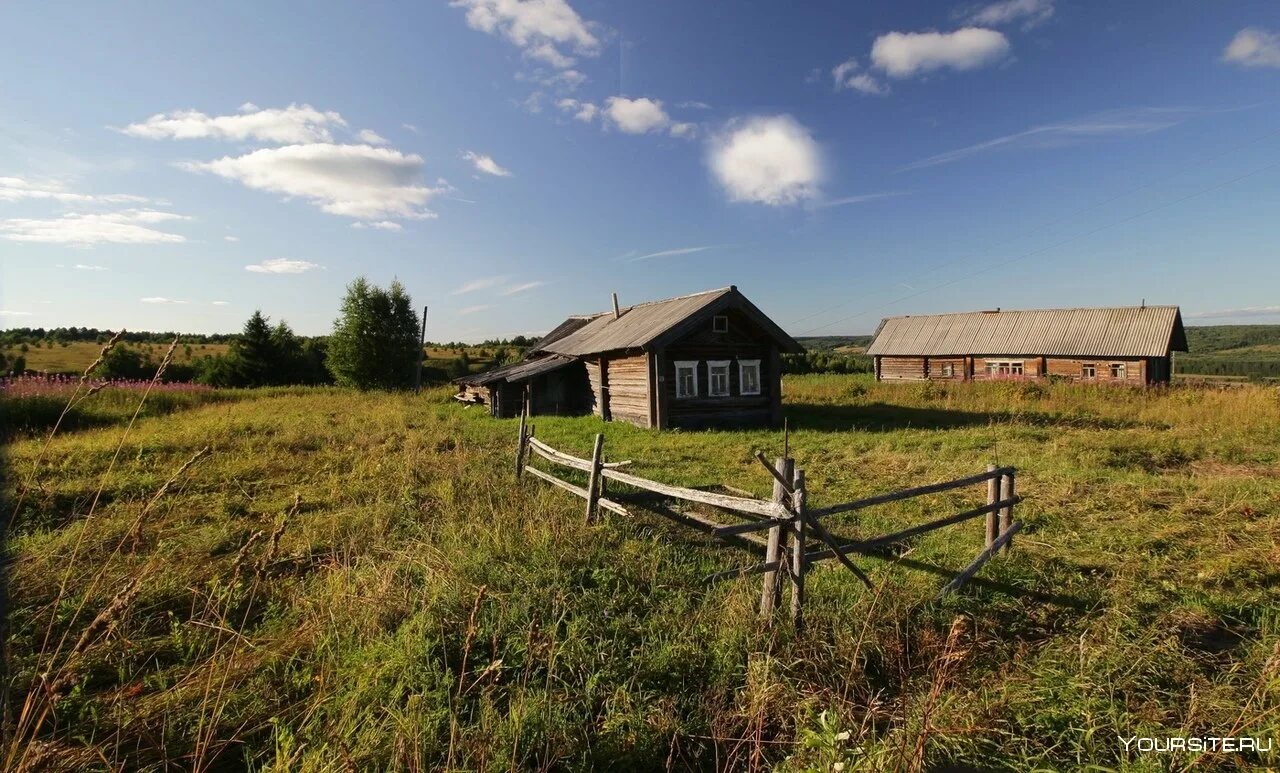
593	482
1007	491
993	496
798	564
771	593
520	448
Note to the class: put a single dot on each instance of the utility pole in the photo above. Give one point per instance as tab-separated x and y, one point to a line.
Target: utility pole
422	344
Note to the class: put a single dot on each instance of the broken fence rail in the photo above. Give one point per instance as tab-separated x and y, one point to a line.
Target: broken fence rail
787	517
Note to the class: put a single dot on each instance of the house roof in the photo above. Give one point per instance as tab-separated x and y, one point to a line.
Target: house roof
651	324
1132	331
518	371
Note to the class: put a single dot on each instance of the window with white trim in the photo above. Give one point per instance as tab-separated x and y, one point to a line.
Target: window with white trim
687	378
1117	370
1004	367
718	378
719	324
748	377
948	370
1088	370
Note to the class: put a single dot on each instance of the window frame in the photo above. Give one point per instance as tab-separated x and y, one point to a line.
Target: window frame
711	383
1006	367
1119	370
686	365
1089	371
742	381
720	323
948	370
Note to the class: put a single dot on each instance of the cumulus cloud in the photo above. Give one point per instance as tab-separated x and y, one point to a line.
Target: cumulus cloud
485	164
282	266
540	28
636	116
358	181
18	189
1253	47
523	287
1030	12
849	75
130	226
582	111
483	283
370	137
904	54
768	159
292	124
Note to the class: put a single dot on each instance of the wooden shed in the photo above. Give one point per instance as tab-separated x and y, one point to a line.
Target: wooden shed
706	359
1131	345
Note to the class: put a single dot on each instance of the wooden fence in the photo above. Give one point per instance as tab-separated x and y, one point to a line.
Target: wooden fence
785	526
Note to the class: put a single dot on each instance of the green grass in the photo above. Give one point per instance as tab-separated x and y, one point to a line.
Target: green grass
52	357
424	611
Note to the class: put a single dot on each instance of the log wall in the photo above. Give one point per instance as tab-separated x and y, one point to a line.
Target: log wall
627	388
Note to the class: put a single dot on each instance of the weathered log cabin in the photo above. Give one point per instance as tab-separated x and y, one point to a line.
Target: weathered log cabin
706	359
1127	345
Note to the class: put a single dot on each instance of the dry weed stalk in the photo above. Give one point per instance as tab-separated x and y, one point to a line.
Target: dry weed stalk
238	565
274	548
944	668
105	619
135	533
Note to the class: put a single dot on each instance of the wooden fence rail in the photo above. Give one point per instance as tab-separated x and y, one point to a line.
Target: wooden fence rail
786	516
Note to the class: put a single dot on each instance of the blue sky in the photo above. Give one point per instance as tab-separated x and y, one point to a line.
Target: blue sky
176	166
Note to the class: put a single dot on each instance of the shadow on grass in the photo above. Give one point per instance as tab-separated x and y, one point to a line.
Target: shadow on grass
887	417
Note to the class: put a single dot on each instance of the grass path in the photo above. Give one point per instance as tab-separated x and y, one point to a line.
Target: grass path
420	610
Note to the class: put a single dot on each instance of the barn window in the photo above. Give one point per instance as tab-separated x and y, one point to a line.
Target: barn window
1117	370
948	370
718	378
720	324
749	377
687	378
1088	370
1004	367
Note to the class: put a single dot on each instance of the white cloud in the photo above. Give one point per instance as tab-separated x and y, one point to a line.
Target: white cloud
904	54
12	313
539	27
292	124
357	181
636	116
694	104
485	164
161	299
221	303
769	160
1253	47
18	189
847	75
381	225
1247	311
474	309
480	284
1105	125
130	226
520	288
282	266
682	129
410	127
673	252
231	238
370	137
86	267
582	111
567	80
1031	12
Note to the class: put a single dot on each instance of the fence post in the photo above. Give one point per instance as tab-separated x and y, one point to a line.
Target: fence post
520	448
993	496
771	593
593	482
1007	491
798	564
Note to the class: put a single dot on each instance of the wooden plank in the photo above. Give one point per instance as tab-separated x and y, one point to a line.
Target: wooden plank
593	482
1008	494
918	491
770	592
607	504
993	494
695	520
983	557
737	504
520	448
561	458
798	563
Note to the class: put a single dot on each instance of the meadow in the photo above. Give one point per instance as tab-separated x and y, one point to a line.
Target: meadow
350	580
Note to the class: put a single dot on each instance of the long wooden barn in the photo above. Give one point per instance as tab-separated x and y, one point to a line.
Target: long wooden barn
706	359
1130	345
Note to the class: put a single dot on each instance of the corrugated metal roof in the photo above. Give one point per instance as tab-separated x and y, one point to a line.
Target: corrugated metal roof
1133	331
568	327
637	327
518	371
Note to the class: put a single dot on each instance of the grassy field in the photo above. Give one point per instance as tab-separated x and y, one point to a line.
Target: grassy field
52	357
415	608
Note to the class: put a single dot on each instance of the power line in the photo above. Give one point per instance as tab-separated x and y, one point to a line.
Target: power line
1055	245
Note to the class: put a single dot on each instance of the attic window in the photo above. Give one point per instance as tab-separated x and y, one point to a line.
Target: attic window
720	324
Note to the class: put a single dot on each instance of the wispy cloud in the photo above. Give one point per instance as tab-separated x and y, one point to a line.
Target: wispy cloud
231	238
1031	13
221	303
162	300
1105	125
87	267
483	283
130	226
282	266
1247	311
858	199
674	252
485	164
474	309
379	225
13	313
520	288
19	189
289	125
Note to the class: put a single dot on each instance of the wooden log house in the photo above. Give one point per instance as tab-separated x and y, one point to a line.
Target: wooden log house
1126	345
706	359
